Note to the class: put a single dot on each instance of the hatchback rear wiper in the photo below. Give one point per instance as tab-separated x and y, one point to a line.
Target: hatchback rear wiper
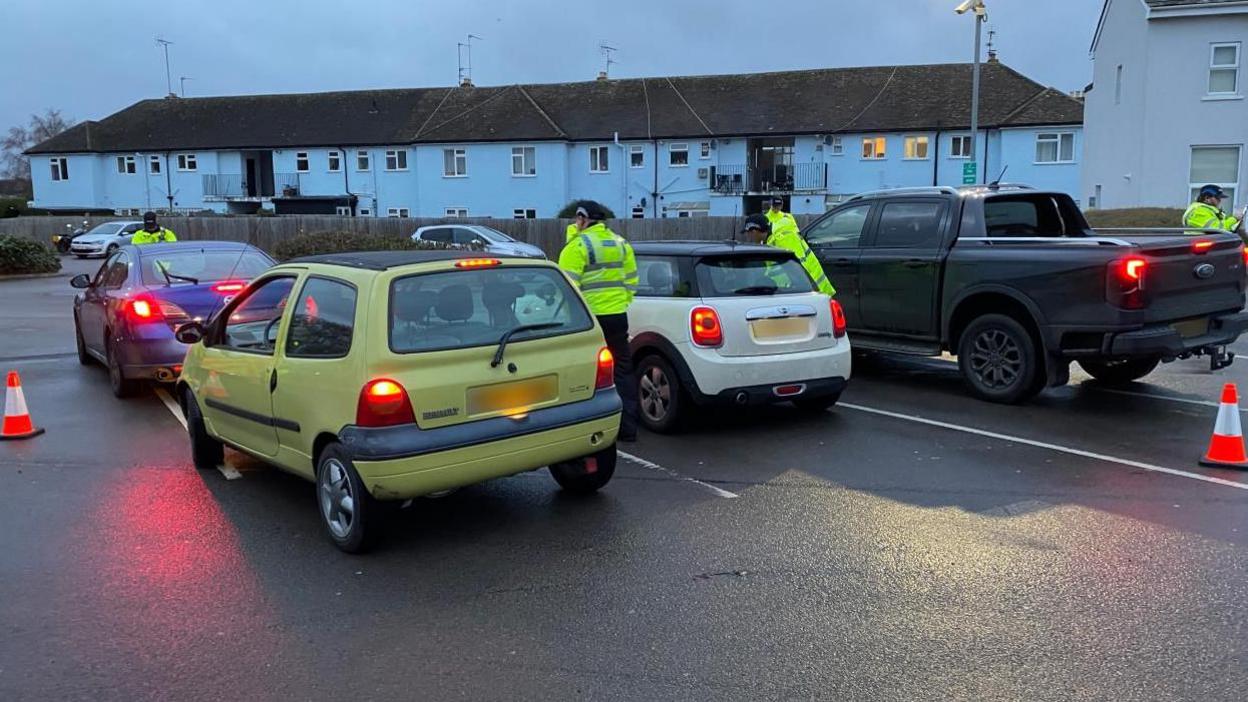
502	343
756	290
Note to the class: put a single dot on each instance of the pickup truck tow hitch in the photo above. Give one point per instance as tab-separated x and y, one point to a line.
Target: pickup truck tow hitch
1219	357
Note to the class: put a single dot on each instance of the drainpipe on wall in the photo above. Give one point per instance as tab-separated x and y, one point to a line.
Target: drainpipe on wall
983	177
623	172
936	158
654	165
168	183
346	179
146	163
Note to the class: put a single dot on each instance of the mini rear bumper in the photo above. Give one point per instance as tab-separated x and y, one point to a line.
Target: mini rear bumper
1166	341
772	393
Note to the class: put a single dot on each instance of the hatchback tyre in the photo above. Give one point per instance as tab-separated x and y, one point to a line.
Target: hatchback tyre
998	360
348	512
1120	372
659	395
122	386
206	452
588	474
83	357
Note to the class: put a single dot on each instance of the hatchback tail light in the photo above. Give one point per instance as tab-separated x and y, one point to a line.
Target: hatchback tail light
144	308
1125	283
838	320
704	327
606	370
384	403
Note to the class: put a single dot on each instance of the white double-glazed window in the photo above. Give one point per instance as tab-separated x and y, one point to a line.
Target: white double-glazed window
838	146
125	164
524	161
914	148
363	161
343	210
960	146
398	212
154	165
366	212
639	212
524	213
874	148
1215	165
457	212
60	168
1224	68
334	161
678	155
636	156
599	159
454	163
396	160
187	162
301	161
1055	147
704	149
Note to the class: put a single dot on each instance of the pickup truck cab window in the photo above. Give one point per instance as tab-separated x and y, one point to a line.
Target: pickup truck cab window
841	230
910	225
1027	215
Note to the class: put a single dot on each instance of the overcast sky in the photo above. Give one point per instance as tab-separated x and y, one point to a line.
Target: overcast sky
91	58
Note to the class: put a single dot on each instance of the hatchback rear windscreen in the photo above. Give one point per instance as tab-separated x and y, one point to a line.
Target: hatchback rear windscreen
462	309
752	275
197	266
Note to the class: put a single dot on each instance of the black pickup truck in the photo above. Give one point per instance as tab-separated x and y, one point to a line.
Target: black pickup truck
1017	284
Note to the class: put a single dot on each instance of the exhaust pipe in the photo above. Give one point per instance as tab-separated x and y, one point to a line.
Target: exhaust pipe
741	398
164	375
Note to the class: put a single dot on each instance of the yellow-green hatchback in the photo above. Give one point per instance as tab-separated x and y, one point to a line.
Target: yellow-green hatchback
385	376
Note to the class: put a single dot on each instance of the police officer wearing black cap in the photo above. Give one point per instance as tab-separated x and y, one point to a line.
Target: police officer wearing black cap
152	232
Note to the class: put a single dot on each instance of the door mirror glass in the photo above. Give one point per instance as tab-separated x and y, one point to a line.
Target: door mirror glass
80	281
190	333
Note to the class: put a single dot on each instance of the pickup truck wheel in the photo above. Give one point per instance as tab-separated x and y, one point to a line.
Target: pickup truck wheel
206	452
581	477
1120	372
998	359
348	511
659	395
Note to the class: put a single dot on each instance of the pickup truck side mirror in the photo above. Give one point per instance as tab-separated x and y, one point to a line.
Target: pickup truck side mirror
190	333
81	281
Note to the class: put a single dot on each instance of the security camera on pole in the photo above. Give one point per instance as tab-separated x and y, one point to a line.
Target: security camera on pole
970	175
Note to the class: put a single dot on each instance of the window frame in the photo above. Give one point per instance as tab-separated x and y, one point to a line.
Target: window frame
218	336
637	212
964	153
704	150
1237	196
60	168
916	140
355	312
522	152
599	159
837	145
637	150
1057	138
367	157
154	165
301	157
395	154
456	212
877	154
364	212
523	213
330	157
1233	68
399	212
672	150
459	155
188	163
126	165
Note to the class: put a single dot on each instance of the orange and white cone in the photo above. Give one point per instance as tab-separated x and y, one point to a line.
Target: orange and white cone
1226	448
17	424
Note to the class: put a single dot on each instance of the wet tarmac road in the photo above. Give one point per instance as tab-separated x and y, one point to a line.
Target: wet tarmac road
848	555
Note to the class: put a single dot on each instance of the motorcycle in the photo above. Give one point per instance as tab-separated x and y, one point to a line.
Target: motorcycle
62	241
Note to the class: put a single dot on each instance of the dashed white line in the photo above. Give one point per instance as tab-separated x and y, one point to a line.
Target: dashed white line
1045	445
229	471
656	467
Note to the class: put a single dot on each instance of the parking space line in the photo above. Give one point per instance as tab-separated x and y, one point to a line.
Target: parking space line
1184	400
656	467
227	470
1045	445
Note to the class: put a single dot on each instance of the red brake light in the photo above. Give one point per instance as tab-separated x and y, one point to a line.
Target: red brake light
1245	250
704	327
1133	270
1201	245
838	320
1124	286
384	403
478	263
229	287
606	370
142	308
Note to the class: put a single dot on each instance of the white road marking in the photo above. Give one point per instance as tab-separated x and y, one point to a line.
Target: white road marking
656	467
1044	445
1184	400
229	471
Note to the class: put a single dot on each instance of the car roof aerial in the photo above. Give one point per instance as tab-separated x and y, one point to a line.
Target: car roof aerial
384	260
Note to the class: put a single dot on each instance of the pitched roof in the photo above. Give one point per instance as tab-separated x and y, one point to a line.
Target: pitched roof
887	98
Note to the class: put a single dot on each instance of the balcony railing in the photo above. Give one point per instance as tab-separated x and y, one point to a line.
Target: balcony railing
730	180
233	186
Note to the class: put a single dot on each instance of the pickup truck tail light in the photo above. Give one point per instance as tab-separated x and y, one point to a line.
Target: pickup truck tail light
606	370
384	403
704	327
838	320
1125	283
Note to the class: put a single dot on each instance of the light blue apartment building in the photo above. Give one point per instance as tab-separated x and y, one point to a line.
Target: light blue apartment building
644	147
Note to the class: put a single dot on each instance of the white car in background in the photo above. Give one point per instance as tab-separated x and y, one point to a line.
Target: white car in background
103	239
482	237
735	325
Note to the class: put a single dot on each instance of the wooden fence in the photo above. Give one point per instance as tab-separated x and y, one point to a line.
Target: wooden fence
266	232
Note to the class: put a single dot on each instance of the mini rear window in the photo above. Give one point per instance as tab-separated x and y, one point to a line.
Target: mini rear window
752	275
202	266
466	308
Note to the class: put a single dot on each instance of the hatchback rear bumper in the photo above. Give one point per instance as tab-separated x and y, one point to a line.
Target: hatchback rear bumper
151	359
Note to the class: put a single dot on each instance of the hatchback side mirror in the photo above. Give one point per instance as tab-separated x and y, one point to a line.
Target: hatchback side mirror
80	281
190	333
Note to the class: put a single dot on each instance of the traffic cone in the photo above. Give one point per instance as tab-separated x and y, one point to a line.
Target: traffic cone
17	424
1226	448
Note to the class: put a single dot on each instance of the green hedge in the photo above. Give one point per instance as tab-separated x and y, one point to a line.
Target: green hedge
25	256
339	242
1136	217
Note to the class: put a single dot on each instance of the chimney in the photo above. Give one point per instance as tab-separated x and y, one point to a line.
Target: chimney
466	82
992	56
602	75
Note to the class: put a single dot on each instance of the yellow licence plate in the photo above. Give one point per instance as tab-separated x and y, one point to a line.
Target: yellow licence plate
780	328
1189	328
515	396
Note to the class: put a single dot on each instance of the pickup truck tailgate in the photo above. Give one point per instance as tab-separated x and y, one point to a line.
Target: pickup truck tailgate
1192	276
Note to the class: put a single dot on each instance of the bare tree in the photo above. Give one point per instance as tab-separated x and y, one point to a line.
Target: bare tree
41	128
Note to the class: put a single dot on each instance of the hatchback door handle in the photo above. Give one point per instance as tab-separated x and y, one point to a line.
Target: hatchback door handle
842	262
273	380
915	263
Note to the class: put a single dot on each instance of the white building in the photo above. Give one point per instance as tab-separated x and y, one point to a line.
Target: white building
1167	112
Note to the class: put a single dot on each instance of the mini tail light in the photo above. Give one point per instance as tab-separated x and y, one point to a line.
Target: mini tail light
606	370
1125	283
478	263
704	327
1200	246
838	320
384	403
229	287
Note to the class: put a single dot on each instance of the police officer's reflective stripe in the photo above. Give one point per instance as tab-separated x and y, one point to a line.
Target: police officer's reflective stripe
604	284
601	266
589	249
822	279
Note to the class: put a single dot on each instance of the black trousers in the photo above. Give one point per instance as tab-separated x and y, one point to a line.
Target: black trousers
615	329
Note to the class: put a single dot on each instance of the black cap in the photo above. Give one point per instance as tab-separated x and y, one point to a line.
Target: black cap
1212	191
756	222
591	210
149	217
777	201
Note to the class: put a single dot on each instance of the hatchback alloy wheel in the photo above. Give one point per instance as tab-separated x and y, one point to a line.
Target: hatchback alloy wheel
337	501
655	394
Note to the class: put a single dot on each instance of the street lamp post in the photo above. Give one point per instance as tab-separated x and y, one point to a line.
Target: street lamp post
981	16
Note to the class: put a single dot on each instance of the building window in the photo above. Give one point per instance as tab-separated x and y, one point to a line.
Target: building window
362	161
960	146
838	146
366	211
1214	165
301	161
457	212
636	156
1224	69
874	148
125	164
704	149
914	148
677	155
153	165
60	168
523	161
1055	147
335	161
692	213
639	212
598	159
523	213
398	212
396	160
343	210
1118	85
187	162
